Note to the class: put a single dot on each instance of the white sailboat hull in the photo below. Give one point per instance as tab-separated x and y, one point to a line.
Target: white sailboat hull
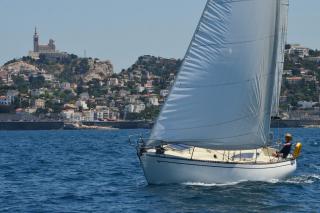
169	170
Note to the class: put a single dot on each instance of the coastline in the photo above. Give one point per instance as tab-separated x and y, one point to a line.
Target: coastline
61	125
114	125
31	125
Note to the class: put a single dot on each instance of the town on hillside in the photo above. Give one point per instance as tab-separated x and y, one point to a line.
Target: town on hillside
51	85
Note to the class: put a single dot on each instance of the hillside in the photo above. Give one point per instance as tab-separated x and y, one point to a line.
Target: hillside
87	89
300	80
70	69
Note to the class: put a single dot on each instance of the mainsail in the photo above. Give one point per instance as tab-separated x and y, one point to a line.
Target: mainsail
283	27
222	96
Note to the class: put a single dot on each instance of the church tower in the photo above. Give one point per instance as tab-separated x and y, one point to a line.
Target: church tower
35	41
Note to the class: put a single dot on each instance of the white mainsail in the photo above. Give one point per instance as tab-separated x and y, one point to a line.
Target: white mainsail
223	93
283	27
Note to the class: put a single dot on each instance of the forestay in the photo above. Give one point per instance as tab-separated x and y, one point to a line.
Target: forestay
283	28
222	96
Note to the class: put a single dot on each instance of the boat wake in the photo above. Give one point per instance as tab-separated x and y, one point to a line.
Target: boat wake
302	179
211	184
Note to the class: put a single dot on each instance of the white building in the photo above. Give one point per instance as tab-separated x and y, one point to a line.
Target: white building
77	116
139	108
135	108
30	110
299	50
100	115
140	88
68	114
123	93
82	104
154	101
164	93
88	115
129	108
66	86
48	77
40	104
306	104
132	98
113	82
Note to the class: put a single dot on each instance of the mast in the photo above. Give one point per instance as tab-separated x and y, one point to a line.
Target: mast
283	24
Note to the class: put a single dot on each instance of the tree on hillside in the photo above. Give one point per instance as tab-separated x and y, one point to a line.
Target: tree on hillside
83	67
42	59
314	53
11	61
20	84
37	82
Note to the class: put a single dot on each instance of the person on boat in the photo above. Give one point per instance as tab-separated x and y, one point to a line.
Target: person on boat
286	149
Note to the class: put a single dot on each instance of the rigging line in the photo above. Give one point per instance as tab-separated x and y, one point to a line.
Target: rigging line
236	42
208	139
214	140
176	81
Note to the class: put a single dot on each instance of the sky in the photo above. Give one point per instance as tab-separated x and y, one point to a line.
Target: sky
123	30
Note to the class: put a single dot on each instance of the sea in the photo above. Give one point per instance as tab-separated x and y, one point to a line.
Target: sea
98	171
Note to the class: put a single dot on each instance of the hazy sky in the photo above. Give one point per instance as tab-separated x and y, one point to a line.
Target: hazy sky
123	30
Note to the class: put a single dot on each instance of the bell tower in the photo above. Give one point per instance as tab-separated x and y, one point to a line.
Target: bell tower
35	41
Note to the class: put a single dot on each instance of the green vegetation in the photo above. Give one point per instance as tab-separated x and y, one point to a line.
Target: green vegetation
65	69
306	89
135	85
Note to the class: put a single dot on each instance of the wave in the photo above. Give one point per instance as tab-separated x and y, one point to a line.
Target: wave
315	166
274	181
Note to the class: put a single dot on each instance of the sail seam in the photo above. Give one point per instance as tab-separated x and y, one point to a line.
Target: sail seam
208	139
224	84
237	42
234	1
218	124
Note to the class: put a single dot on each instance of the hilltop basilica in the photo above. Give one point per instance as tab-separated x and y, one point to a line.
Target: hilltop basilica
48	50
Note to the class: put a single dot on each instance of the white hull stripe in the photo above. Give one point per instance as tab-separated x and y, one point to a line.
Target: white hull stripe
237	165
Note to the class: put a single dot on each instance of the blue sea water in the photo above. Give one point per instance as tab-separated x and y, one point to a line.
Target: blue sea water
98	171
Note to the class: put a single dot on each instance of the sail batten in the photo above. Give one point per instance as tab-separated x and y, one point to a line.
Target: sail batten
223	92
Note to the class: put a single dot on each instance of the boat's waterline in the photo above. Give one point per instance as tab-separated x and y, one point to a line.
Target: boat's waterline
160	169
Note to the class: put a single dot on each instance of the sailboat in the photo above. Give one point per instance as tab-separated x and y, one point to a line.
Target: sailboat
215	124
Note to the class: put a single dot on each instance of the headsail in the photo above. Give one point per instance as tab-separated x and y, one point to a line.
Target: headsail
283	28
223	93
